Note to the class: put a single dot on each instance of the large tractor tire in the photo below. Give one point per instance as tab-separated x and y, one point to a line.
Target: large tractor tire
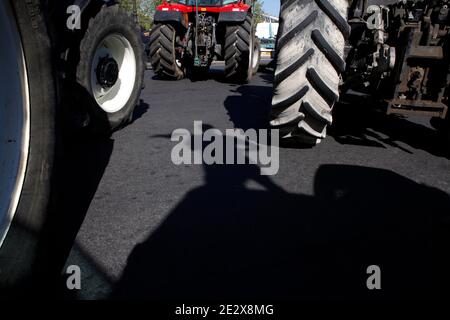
28	142
239	46
110	68
310	59
163	54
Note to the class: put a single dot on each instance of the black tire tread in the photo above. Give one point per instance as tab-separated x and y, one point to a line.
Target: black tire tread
237	49
306	86
162	53
321	43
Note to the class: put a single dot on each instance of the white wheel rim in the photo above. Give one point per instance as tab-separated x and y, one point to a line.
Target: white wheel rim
14	118
113	98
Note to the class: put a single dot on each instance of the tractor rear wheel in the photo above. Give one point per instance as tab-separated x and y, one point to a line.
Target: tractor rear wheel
28	148
310	59
239	40
164	58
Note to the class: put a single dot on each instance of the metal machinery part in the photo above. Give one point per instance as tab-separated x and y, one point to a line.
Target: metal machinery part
399	52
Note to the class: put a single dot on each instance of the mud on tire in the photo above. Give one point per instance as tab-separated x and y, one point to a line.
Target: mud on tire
310	59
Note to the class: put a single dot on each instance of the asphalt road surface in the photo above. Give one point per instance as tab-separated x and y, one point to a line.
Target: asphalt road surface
375	192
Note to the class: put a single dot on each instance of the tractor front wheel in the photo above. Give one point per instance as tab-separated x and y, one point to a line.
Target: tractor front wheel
110	68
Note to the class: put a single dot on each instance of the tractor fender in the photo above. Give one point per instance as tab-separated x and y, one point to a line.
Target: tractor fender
171	17
231	16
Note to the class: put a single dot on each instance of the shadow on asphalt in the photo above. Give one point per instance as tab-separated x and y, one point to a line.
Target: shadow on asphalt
267	75
356	124
83	163
224	240
248	106
139	111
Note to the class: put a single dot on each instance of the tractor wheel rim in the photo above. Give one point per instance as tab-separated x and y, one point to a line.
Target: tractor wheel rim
14	118
256	54
113	94
250	59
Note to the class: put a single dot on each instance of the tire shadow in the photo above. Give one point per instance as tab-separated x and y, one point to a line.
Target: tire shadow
249	106
225	240
81	170
83	162
356	124
139	111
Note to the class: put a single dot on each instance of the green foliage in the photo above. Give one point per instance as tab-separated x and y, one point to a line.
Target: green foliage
145	10
258	10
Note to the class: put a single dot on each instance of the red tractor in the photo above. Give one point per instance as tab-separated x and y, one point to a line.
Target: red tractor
189	34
